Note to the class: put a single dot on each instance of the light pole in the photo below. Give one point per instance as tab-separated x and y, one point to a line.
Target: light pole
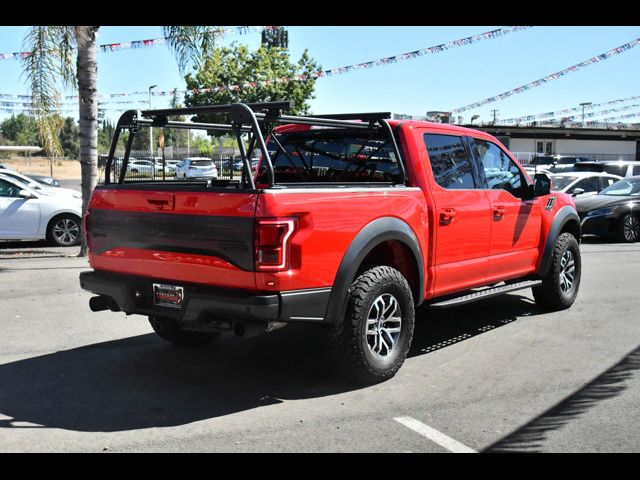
151	128
585	104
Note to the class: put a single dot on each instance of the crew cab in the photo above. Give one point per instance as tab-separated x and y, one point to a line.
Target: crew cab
349	221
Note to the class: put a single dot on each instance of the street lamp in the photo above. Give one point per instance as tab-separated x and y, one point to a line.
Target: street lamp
151	128
585	104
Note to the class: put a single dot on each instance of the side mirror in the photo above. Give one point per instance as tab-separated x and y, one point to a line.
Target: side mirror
577	191
541	185
26	194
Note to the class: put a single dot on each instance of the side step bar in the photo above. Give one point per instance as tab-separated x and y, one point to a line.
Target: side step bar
487	293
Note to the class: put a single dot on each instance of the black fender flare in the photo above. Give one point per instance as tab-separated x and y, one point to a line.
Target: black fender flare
563	216
372	235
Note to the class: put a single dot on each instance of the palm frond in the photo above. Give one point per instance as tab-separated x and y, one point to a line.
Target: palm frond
50	61
191	44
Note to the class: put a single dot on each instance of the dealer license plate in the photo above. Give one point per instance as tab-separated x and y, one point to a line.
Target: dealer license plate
168	295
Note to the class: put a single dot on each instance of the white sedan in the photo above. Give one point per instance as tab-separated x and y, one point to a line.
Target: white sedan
26	214
582	183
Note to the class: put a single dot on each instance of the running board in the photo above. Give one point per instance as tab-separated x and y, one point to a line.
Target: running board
487	293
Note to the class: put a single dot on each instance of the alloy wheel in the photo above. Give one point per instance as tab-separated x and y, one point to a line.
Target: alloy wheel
568	272
66	231
631	228
384	323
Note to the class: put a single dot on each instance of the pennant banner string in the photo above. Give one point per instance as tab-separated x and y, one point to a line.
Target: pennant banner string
553	76
529	118
150	42
492	34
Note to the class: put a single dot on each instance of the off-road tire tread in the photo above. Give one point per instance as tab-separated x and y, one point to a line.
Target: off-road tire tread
548	295
342	343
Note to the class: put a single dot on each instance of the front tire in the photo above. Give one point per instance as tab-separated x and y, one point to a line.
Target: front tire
371	342
559	288
170	331
64	231
629	229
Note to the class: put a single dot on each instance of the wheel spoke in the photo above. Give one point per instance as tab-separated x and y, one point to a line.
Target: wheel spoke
383	325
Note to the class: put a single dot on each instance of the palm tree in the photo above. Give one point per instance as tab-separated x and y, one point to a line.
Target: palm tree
475	117
51	61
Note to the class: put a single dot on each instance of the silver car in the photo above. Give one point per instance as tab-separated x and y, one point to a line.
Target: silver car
196	167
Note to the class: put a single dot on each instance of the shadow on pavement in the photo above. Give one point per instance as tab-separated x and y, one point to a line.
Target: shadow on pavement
611	383
142	381
439	328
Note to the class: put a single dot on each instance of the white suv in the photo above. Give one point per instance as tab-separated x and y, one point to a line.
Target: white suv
196	167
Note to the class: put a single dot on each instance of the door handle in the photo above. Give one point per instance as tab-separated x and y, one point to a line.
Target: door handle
447	215
161	201
498	211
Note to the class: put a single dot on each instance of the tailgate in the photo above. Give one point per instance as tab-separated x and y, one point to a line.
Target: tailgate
179	236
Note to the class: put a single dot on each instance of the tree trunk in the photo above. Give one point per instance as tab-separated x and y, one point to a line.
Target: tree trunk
87	69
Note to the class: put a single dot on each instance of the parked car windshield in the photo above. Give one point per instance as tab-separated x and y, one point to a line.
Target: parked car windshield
561	182
623	188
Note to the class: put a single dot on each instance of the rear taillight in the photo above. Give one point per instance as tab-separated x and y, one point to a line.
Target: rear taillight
272	243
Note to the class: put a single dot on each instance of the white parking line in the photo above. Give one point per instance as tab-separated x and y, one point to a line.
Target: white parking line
434	435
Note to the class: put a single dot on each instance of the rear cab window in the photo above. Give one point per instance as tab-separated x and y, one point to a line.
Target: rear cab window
328	155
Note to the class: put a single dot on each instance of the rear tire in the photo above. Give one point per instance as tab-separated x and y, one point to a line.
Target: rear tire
629	228
371	342
64	230
559	288
170	331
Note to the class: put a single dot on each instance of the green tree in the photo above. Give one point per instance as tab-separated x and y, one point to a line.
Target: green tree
21	130
237	65
202	144
174	137
69	138
68	54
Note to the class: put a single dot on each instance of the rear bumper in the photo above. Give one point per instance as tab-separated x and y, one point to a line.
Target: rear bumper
134	295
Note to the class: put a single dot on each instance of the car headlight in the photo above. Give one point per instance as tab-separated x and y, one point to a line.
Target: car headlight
601	211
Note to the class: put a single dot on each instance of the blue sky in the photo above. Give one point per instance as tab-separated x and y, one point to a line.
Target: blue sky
441	81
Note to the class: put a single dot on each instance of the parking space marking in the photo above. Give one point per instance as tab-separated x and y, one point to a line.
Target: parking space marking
434	435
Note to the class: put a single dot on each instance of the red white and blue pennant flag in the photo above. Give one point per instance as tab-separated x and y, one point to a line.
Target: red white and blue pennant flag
553	76
425	51
592	114
558	113
150	42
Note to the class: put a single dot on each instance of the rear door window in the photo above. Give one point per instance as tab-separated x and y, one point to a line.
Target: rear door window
450	161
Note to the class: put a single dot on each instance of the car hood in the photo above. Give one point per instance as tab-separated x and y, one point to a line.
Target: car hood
592	202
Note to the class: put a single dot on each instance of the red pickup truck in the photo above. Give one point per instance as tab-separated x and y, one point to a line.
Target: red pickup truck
350	221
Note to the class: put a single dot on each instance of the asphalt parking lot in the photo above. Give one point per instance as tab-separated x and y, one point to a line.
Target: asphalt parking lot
496	376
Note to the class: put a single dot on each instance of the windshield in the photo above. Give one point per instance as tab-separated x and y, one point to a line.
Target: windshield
623	188
18	178
560	183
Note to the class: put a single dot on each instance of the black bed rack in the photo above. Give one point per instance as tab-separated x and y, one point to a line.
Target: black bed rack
254	119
